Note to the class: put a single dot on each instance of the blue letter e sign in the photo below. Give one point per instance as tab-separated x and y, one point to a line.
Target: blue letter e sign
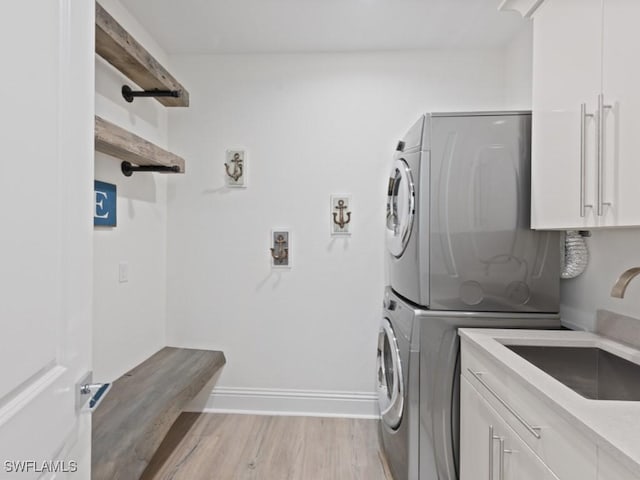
104	211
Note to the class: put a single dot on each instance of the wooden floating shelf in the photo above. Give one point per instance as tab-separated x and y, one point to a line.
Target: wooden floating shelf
133	419
116	46
118	142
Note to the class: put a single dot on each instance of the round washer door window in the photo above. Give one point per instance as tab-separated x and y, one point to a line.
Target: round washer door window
390	383
400	207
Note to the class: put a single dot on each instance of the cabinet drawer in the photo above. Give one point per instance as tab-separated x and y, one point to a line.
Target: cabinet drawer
564	449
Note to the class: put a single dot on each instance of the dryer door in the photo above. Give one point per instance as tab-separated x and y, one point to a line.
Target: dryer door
401	199
390	380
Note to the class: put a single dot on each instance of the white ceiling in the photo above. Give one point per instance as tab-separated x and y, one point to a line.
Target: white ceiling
241	26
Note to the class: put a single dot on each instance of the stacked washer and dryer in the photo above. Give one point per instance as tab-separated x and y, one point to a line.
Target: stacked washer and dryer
461	254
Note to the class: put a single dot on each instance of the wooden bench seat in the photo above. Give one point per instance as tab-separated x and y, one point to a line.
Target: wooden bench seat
133	419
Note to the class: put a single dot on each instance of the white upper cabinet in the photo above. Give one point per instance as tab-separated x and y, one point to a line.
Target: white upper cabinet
566	78
585	68
621	129
523	7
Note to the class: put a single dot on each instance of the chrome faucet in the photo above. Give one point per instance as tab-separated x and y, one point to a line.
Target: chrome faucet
621	285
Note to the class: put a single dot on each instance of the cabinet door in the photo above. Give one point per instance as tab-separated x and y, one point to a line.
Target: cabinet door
621	78
488	446
611	469
477	424
566	74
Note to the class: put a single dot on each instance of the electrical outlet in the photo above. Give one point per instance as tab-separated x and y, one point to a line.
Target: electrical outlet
123	272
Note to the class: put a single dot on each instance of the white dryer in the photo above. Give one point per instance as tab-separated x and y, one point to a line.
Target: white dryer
403	224
457	224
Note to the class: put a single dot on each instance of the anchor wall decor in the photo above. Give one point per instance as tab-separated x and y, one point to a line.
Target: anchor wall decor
340	215
280	240
235	168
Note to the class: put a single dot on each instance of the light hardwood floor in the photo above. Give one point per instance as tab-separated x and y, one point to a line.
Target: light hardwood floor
239	447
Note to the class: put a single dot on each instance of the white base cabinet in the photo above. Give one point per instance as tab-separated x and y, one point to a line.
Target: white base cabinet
509	433
610	469
489	448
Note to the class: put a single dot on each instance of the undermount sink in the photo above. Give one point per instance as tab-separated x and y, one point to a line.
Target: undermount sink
591	372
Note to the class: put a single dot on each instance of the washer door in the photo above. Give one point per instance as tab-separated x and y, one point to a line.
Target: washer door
400	207
390	382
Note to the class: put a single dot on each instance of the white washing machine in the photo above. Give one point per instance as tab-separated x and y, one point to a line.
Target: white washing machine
418	383
398	387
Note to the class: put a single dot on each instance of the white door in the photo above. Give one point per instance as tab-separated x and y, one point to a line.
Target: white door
46	222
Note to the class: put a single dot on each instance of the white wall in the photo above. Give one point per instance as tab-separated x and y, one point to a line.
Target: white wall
129	318
302	340
611	253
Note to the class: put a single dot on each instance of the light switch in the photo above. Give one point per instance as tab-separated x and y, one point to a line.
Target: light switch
123	272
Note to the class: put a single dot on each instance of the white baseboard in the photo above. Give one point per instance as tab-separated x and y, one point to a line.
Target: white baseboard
314	403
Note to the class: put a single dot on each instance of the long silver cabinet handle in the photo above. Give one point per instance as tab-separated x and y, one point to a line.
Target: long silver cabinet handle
502	452
501	471
600	193
532	430
583	158
492	437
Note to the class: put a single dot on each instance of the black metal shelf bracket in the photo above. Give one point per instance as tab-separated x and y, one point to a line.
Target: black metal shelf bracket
128	169
129	94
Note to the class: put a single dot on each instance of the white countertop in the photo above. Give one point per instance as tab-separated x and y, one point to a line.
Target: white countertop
613	425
